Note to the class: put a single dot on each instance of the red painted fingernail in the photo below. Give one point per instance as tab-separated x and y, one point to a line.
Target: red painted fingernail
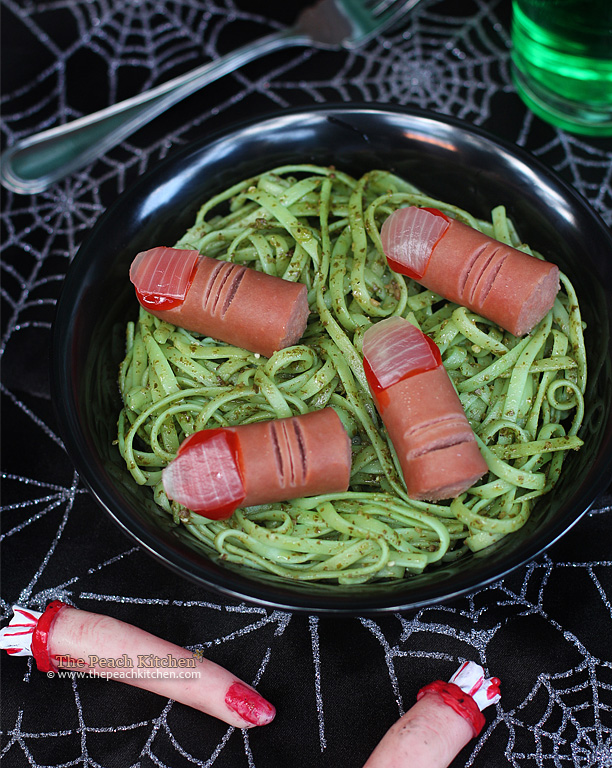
247	703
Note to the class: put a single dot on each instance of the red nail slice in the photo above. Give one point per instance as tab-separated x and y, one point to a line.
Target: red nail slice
250	705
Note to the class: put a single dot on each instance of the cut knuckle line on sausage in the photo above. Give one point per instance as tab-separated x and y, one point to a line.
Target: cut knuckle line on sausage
476	282
469	268
486	281
299	436
206	298
278	458
236	278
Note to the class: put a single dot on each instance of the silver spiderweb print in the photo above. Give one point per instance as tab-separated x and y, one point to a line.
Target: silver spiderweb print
558	720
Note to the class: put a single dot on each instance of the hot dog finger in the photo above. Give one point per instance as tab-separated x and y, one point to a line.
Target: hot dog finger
218	470
70	639
444	719
505	285
229	302
421	411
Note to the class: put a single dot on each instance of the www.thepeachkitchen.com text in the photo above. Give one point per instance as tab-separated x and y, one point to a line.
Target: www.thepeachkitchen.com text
146	665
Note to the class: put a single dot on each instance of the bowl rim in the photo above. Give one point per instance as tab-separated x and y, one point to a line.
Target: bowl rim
232	584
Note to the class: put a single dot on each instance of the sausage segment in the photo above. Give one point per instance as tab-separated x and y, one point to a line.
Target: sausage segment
300	456
421	411
505	285
229	302
67	638
264	462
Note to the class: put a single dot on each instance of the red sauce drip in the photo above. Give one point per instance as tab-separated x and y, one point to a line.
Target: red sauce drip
381	393
493	689
40	637
436	212
459	701
157	303
223	511
402	269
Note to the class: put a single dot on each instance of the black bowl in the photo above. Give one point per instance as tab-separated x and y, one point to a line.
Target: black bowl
444	157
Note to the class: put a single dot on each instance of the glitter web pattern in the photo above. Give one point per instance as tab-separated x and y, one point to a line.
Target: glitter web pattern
453	64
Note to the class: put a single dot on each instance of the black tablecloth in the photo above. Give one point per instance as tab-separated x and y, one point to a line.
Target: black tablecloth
545	629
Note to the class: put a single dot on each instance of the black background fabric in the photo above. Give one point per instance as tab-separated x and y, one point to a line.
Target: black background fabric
545	629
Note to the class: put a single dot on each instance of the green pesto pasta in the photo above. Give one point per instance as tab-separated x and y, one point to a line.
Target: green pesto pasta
523	397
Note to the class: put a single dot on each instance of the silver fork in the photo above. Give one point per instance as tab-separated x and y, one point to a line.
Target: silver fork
33	164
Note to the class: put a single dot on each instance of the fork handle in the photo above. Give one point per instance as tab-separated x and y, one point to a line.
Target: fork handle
33	164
